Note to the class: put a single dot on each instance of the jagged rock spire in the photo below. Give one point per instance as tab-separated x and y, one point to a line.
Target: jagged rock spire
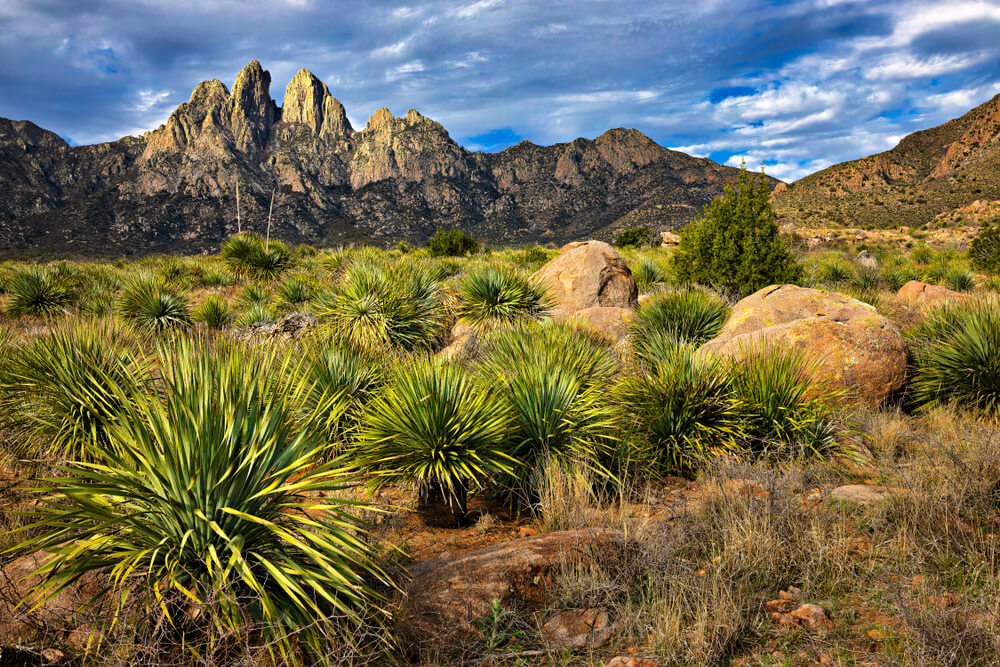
251	109
308	101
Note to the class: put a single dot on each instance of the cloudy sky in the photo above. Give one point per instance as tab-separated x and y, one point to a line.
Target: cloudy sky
798	85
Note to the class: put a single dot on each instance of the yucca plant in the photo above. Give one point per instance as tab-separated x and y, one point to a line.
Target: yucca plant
689	316
251	257
960	280
214	313
253	294
785	411
295	292
956	353
37	292
647	275
206	496
212	277
254	314
866	278
336	383
683	410
434	427
834	271
897	276
375	308
149	304
491	296
62	391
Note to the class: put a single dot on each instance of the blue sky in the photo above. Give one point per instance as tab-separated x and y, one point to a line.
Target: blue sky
797	85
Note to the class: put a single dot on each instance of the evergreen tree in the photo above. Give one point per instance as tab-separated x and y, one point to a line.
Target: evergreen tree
454	243
735	246
984	251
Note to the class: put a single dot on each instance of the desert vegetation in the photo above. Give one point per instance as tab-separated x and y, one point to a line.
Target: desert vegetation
254	457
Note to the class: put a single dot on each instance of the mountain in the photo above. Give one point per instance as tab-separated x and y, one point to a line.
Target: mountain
174	188
930	172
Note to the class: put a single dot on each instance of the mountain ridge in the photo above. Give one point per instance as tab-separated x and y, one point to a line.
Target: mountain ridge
173	188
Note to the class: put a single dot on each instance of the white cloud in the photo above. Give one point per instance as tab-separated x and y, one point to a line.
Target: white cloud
906	66
149	99
469	11
607	97
404	70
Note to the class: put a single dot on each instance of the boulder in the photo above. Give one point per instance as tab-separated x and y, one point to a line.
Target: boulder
856	349
462	341
607	321
447	594
57	616
669	239
587	275
921	294
289	327
577	628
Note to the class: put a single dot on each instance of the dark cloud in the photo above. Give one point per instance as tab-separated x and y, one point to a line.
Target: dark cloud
795	84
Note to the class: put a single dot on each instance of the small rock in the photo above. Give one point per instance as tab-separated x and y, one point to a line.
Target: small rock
669	239
788	613
628	661
577	628
867	260
944	601
793	593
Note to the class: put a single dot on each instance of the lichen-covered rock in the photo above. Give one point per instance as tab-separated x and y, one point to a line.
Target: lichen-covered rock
447	594
856	349
588	275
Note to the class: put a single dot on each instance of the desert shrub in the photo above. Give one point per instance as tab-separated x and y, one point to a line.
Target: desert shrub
559	409
956	353
250	257
253	294
258	531
436	428
212	277
922	254
688	316
337	382
784	412
682	409
61	392
959	280
493	296
404	248
896	276
866	278
648	274
532	255
295	292
834	271
254	314
984	251
148	303
375	307
35	291
452	243
635	237
214	313
735	246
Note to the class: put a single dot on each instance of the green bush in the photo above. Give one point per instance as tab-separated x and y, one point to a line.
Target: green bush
218	502
635	237
686	316
61	392
683	410
834	271
492	296
295	293
956	355
37	292
254	314
960	280
735	246
214	313
984	251
648	274
249	256
148	303
452	243
436	428
532	255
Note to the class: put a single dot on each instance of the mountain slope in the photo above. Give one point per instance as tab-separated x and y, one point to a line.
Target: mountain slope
174	188
929	172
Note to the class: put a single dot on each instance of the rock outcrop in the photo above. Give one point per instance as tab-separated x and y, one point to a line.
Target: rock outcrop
921	294
446	595
174	188
855	349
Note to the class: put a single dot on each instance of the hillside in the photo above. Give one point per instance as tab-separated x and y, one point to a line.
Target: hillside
174	188
929	172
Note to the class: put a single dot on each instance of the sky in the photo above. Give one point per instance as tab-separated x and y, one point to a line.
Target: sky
793	85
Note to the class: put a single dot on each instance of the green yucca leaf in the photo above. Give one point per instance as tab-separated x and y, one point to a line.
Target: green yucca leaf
37	292
648	274
209	492
149	304
214	313
249	256
687	316
64	390
295	292
683	408
435	427
492	296
255	313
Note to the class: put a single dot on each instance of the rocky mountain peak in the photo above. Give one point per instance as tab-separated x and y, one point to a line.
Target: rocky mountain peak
308	101
251	109
379	119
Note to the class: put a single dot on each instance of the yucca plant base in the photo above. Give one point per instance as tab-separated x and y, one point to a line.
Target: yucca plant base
439	509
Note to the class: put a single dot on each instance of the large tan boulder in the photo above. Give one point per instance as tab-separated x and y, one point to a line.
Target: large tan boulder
589	274
856	349
921	294
447	594
610	322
